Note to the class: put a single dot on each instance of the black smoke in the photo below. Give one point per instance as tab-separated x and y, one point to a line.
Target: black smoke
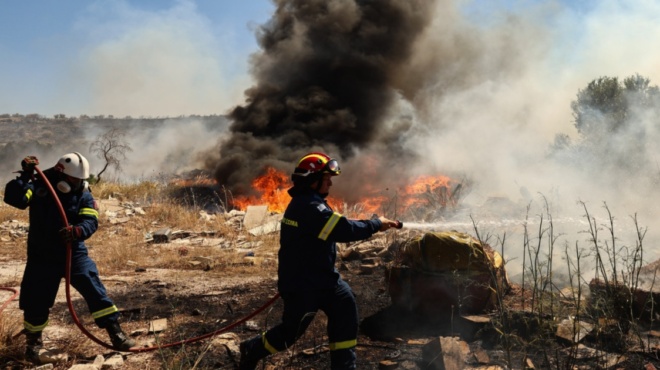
326	77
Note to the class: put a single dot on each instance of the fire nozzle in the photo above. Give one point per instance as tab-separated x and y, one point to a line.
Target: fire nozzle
399	224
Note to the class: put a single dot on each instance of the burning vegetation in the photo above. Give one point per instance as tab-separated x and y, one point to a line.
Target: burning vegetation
424	198
326	79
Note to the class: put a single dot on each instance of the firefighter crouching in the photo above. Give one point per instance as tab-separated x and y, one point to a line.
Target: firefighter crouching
46	251
307	277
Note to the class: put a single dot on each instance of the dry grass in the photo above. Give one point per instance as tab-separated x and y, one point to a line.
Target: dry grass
119	248
145	192
11	322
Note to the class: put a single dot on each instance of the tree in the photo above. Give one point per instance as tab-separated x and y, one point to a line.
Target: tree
617	123
110	147
607	105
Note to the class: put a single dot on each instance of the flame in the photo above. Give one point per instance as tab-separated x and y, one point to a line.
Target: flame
428	191
425	191
272	188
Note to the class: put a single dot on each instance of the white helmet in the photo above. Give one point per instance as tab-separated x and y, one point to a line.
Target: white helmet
74	165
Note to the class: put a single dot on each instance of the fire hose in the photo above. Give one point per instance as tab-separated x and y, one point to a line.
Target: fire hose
4	305
74	316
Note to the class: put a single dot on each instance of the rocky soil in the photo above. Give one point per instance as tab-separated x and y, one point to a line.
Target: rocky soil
193	315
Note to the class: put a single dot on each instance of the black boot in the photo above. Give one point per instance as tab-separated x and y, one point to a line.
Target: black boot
34	343
252	350
119	339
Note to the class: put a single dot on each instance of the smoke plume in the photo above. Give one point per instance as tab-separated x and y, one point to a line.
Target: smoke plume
327	78
474	89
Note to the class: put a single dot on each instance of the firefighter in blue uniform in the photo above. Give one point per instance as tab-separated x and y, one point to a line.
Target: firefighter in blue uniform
307	277
46	252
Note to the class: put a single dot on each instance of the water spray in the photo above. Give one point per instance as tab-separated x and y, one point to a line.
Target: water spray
420	226
415	225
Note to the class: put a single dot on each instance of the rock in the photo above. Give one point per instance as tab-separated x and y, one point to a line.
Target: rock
251	325
388	365
573	331
230	340
267	228
114	362
255	216
529	365
162	235
51	356
156	326
445	353
44	367
98	361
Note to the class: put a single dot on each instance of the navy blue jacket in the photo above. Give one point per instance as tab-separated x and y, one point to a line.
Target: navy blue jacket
308	237
44	241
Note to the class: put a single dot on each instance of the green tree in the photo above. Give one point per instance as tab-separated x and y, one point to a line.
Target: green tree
617	121
607	105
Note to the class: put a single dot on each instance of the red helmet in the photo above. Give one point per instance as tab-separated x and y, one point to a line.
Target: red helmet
316	162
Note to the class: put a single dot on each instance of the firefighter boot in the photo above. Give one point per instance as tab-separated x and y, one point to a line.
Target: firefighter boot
119	339
252	350
34	343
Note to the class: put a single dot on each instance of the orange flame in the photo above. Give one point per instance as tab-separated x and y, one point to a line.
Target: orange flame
272	189
425	191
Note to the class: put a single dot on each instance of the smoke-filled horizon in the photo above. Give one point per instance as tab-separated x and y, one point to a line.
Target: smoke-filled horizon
427	87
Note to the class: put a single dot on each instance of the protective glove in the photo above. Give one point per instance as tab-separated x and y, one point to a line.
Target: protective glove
71	233
29	163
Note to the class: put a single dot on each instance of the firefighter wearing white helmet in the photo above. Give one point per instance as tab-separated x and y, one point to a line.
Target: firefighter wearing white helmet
47	243
75	167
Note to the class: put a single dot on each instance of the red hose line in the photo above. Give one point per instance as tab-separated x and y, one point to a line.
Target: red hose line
74	316
4	305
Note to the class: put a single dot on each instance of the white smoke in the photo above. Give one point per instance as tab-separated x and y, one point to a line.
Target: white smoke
499	89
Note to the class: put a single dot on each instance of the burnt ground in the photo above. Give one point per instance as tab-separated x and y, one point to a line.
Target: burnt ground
198	302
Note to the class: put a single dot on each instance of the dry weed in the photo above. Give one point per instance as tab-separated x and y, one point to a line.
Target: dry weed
11	346
145	192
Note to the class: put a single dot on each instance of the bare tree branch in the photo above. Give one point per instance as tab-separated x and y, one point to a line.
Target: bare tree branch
112	148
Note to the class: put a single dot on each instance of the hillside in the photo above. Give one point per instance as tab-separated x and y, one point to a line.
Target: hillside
160	146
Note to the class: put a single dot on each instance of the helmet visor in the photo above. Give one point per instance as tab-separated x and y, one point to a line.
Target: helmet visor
333	167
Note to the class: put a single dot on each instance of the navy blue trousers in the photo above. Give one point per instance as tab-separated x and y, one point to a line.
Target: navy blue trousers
299	310
41	281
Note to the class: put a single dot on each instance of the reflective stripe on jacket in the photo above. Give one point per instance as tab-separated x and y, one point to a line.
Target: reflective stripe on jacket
44	240
309	233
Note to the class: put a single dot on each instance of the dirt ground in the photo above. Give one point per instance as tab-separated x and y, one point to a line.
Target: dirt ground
207	307
196	303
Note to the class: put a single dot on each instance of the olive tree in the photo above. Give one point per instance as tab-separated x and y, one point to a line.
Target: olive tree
607	105
616	121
